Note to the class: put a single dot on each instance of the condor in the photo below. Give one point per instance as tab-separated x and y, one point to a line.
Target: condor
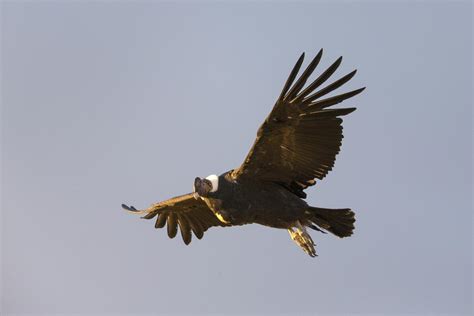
296	144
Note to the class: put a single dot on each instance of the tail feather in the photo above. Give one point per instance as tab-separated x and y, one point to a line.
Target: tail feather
340	222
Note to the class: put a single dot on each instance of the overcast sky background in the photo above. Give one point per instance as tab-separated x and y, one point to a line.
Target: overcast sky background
112	102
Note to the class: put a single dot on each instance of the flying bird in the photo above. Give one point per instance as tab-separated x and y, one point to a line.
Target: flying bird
296	145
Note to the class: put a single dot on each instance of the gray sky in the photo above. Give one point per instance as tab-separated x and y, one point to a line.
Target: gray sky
105	103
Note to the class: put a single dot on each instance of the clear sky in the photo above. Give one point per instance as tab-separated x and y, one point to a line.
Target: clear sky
118	102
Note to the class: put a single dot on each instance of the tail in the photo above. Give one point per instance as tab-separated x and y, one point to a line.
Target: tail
340	222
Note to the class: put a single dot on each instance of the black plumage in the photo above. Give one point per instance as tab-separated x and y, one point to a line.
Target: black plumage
296	145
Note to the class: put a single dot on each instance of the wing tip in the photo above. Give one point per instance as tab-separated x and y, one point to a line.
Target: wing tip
357	91
350	110
132	209
129	208
344	111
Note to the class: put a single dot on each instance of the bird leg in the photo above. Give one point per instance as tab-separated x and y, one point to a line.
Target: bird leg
301	237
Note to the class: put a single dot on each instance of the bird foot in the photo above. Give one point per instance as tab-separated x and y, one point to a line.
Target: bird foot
301	237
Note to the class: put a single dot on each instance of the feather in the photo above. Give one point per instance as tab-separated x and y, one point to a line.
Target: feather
161	220
304	77
333	86
329	113
321	104
291	77
184	228
195	226
319	81
172	225
150	215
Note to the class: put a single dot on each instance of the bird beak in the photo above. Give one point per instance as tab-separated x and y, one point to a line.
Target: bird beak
197	182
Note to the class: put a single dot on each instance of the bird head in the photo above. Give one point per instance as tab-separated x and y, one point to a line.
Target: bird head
202	187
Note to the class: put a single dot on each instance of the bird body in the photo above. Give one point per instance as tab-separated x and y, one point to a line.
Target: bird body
252	201
295	145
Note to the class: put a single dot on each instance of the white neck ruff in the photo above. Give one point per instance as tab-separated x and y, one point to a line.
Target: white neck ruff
214	181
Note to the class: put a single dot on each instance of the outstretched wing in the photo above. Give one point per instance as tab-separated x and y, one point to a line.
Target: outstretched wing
299	140
185	211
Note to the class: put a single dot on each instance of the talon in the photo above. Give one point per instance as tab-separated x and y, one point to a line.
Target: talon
301	237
